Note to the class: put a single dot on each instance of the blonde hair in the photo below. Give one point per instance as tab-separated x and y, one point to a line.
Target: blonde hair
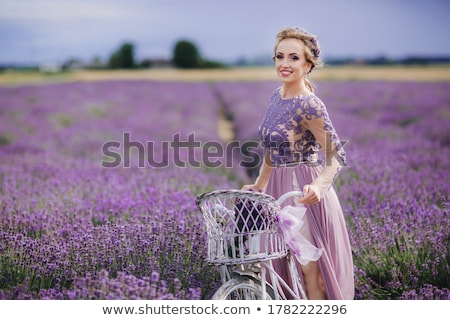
311	45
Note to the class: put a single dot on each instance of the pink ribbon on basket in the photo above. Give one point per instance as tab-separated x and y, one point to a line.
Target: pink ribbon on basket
290	220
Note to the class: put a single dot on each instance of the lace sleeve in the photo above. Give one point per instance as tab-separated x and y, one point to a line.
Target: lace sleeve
319	124
317	120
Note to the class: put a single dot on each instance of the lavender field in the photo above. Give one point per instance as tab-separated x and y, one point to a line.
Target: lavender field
73	228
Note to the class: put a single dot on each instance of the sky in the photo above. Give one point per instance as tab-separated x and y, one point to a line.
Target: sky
36	31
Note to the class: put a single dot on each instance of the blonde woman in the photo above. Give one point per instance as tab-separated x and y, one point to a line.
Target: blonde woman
296	126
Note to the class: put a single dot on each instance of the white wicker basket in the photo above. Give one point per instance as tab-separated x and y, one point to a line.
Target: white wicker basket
241	226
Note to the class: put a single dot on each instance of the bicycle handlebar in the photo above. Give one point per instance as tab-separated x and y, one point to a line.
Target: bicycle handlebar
287	195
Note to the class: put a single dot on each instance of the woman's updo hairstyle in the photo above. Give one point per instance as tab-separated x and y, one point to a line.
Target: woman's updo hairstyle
312	47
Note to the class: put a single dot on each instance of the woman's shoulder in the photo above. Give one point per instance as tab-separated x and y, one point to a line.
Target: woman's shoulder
316	100
311	103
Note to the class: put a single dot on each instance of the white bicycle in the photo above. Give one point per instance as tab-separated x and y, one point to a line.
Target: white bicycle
243	238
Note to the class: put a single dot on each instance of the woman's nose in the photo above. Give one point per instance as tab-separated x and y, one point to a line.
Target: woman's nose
284	62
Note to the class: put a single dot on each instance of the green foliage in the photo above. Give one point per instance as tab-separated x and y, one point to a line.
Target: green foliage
387	272
209	64
187	56
61	120
5	139
123	58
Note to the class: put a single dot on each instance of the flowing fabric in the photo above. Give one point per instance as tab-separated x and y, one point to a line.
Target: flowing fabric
290	222
295	131
324	226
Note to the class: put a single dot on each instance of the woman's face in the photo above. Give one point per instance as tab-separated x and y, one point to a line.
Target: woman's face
290	61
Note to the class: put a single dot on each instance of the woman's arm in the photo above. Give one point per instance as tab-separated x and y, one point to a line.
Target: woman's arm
322	129
264	174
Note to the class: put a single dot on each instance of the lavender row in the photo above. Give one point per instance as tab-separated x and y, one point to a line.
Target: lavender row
72	229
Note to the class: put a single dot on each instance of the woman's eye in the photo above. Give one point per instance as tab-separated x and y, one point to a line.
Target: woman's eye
294	58
279	56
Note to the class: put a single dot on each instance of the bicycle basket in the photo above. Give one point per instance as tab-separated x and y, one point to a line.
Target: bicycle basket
241	226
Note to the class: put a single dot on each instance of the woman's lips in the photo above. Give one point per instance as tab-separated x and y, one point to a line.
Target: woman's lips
285	73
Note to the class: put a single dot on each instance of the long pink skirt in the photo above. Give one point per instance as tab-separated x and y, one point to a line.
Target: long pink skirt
324	226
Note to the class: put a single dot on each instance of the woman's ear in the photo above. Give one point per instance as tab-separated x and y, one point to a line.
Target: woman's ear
309	67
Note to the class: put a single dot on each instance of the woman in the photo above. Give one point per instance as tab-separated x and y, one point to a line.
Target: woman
295	128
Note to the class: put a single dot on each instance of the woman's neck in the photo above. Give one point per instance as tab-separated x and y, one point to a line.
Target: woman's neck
291	90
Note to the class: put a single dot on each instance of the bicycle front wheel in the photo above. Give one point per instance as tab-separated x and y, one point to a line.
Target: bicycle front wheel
243	288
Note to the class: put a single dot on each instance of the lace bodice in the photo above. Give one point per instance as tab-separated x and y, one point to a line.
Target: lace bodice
295	130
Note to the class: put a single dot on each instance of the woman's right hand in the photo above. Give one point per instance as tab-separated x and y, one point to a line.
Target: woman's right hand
311	194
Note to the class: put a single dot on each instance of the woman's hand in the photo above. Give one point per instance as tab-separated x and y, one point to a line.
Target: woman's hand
311	194
251	187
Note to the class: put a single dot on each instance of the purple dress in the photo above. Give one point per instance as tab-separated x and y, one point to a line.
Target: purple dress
290	132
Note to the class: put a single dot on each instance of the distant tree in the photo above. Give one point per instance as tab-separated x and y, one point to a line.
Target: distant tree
123	58
186	55
210	64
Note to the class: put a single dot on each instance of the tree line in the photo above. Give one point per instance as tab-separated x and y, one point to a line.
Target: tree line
185	55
